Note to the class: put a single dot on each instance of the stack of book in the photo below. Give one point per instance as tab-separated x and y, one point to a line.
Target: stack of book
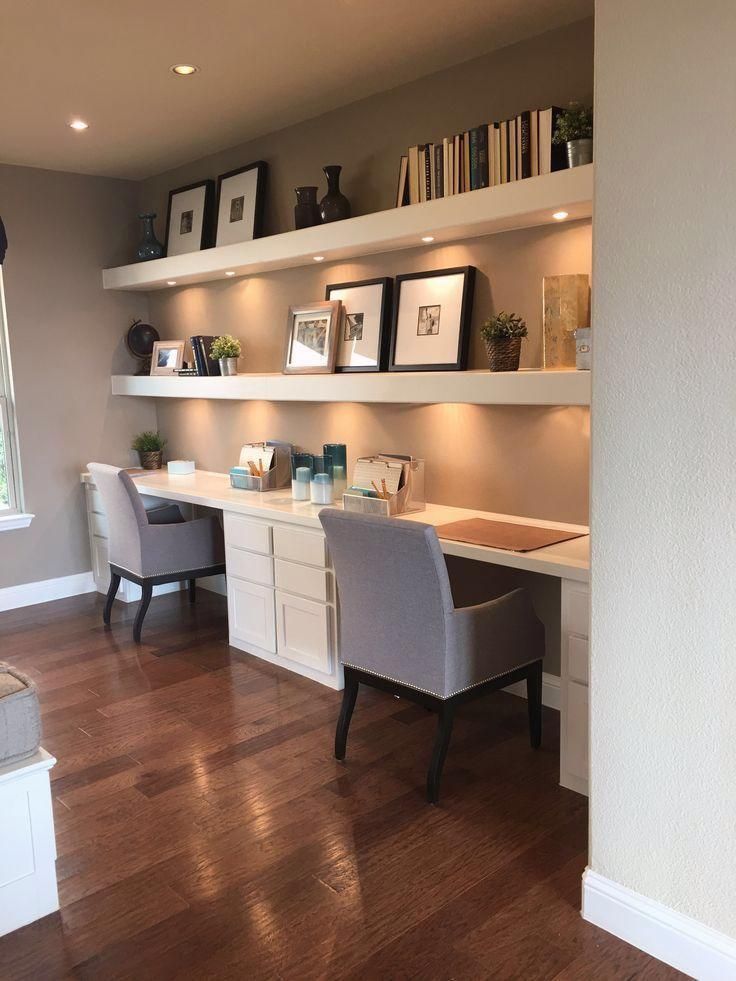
203	361
491	154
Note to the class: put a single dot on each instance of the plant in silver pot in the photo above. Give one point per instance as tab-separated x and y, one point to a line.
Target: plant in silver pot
575	129
502	335
226	350
150	448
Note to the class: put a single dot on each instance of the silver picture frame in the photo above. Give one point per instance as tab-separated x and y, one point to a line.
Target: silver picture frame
311	338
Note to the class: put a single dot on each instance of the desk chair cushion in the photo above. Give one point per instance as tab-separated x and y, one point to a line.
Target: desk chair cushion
151	549
397	616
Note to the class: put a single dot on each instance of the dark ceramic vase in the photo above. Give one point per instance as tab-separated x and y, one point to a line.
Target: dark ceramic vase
306	209
334	206
150	247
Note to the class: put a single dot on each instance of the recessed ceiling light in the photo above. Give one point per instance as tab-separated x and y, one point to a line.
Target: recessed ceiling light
318	258
428	238
79	124
184	69
559	215
171	282
229	273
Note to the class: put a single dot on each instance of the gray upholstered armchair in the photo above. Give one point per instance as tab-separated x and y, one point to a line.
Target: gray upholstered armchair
153	549
400	630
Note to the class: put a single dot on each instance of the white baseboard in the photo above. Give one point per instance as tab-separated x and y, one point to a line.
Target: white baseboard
30	593
215	584
550	690
672	937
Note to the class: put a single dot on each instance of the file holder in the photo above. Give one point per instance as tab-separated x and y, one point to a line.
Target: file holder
409	497
275	478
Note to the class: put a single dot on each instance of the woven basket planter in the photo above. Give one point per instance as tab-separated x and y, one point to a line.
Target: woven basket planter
151	459
503	353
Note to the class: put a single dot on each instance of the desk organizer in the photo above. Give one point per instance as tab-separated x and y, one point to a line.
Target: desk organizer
276	477
409	497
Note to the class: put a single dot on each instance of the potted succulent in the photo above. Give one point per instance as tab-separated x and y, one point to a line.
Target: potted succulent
502	335
575	128
226	350
150	449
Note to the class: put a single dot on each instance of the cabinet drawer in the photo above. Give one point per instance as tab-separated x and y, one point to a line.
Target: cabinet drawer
94	499
576	731
575	608
300	546
244	533
303	631
250	610
304	580
249	565
577	659
98	525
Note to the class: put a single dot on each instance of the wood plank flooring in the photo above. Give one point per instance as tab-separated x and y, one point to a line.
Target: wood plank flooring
205	831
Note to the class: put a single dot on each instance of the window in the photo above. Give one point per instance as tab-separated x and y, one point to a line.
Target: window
10	490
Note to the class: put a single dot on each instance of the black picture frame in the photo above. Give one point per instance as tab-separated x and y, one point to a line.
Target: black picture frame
261	168
208	213
384	330
466	313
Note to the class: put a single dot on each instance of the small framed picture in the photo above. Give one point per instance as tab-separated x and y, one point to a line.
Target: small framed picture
311	338
167	357
240	196
431	326
364	332
189	218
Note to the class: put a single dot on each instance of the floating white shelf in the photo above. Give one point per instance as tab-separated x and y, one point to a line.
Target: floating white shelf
565	387
521	204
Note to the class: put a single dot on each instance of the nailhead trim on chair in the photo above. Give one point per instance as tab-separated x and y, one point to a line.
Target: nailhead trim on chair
426	691
149	575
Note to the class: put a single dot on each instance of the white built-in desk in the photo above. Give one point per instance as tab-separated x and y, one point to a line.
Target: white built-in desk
282	600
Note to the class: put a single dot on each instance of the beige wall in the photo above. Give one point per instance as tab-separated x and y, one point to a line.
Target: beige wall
531	461
663	725
65	339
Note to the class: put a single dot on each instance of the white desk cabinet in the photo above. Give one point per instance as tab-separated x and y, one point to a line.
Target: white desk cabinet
27	843
574	686
280	596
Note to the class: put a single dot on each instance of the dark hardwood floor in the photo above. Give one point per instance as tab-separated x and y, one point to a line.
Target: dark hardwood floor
205	831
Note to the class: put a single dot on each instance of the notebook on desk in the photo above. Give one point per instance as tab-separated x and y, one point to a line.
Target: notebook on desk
504	534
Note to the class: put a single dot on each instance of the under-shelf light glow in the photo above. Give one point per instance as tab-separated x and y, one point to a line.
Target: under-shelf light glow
318	258
171	282
428	238
78	125
559	215
229	273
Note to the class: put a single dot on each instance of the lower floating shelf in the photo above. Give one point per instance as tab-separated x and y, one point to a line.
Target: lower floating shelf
565	387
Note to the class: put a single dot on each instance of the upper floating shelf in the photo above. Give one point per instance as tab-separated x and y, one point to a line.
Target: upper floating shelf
565	387
521	204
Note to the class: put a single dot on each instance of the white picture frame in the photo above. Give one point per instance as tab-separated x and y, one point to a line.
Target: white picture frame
167	357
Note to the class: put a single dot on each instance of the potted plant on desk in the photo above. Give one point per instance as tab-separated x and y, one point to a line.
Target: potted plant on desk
575	128
226	350
150	449
503	335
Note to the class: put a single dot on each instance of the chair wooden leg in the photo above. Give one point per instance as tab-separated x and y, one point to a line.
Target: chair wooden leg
349	696
147	593
192	590
534	703
111	594
441	743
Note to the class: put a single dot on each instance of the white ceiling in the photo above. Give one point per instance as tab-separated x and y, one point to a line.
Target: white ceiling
264	65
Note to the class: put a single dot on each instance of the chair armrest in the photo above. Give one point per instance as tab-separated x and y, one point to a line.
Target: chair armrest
492	638
166	549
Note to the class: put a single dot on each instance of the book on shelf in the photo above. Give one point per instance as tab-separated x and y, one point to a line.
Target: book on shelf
479	158
551	157
201	346
512	149
413	175
494	153
402	191
446	167
429	171
524	145
438	190
504	151
457	183
466	161
534	140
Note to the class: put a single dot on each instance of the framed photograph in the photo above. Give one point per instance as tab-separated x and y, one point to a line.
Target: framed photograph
311	338
167	357
431	326
364	332
240	195
189	218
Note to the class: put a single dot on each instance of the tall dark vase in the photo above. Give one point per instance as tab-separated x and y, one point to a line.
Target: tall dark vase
150	247
334	206
306	209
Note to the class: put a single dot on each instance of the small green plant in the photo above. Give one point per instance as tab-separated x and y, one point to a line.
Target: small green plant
503	325
148	442
574	123
225	347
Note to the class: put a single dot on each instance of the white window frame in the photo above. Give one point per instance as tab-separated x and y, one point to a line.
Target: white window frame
14	516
